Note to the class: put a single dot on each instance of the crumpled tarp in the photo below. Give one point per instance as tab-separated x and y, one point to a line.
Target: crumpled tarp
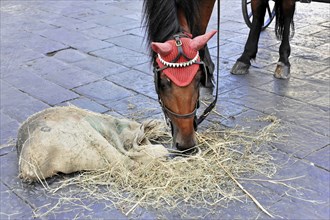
69	139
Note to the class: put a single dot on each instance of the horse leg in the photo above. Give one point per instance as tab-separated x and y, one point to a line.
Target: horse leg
251	47
207	79
283	24
205	12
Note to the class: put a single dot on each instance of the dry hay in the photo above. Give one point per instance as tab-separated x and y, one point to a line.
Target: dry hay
206	180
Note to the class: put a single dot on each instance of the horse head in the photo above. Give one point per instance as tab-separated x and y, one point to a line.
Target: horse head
178	72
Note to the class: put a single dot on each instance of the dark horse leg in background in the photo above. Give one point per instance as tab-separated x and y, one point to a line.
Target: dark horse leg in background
284	20
205	11
284	23
251	46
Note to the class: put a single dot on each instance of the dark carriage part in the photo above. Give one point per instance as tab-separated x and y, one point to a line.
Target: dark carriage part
247	13
270	14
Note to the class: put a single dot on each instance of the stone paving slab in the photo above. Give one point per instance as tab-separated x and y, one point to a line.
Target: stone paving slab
320	157
311	192
136	81
298	89
138	106
14	207
39	43
46	65
20	105
100	66
104	91
290	110
129	41
9	127
91	54
102	33
122	56
86	103
42	89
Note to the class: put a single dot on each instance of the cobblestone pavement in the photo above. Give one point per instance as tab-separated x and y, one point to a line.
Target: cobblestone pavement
86	52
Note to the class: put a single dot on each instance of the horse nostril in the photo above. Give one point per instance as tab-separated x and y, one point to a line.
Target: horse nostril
188	151
184	148
180	147
184	143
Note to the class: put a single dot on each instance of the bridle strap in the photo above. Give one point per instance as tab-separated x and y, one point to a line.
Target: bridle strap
178	43
212	105
177	115
166	110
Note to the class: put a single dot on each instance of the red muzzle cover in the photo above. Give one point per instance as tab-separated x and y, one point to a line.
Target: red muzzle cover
181	76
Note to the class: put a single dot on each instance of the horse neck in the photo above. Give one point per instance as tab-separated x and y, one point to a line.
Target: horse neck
205	12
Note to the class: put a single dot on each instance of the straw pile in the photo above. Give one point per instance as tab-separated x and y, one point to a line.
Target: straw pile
206	180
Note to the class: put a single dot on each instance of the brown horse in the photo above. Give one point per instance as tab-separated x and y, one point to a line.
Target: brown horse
181	60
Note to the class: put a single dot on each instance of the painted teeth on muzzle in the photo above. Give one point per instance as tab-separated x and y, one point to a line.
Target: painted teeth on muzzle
177	65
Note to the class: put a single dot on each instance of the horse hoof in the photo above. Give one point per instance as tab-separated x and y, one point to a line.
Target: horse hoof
240	68
282	71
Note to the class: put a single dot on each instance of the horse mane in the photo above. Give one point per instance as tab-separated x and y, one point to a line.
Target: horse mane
161	21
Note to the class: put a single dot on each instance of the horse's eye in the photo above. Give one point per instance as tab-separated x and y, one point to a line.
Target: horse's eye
165	83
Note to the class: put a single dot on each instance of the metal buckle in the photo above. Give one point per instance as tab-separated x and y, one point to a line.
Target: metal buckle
178	42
